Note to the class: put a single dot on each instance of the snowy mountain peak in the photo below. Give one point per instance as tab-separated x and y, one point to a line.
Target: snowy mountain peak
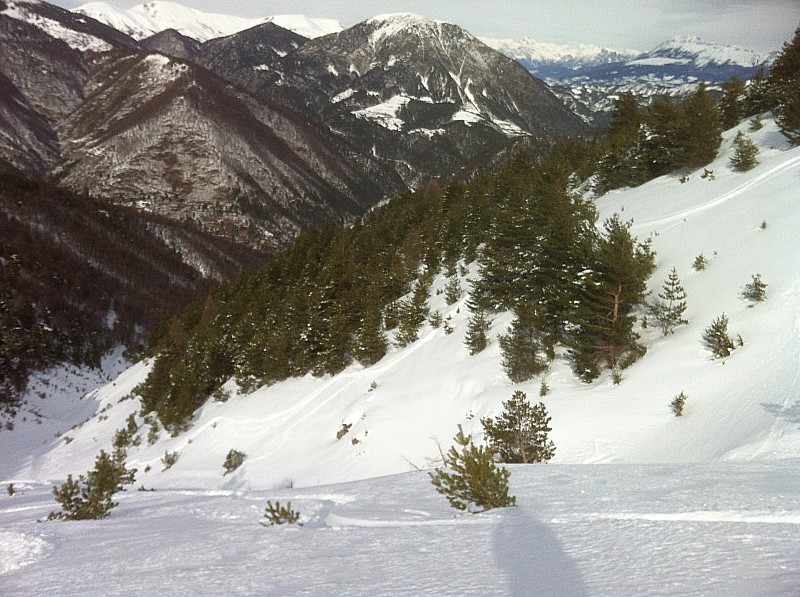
147	19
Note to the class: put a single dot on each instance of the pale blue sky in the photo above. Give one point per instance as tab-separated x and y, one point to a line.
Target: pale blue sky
761	25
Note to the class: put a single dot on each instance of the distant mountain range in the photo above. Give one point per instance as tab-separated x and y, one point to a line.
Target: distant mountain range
590	78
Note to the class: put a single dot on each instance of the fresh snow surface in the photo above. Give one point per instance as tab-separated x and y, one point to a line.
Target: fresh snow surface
144	20
636	500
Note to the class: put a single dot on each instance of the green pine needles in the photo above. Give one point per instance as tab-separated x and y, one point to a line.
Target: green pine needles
469	478
275	515
519	434
90	496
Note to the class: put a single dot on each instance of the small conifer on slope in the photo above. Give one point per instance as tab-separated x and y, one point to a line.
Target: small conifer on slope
669	311
744	156
519	434
470	480
89	496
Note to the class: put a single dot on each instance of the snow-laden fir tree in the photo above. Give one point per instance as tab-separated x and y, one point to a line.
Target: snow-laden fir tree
477	328
519	434
744	156
716	338
669	310
470	479
452	290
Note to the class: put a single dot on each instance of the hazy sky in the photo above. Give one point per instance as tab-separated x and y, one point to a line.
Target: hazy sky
639	24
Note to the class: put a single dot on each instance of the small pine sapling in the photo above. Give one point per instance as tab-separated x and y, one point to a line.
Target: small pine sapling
700	262
89	497
716	338
544	389
677	404
277	514
169	459
470	479
233	460
452	290
756	290
744	156
669	311
477	327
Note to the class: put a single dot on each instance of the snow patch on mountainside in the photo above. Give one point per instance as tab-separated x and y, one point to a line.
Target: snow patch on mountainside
531	50
79	40
144	20
704	53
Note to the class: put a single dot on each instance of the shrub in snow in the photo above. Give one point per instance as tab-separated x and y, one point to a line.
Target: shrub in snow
233	460
744	156
677	404
10	489
700	262
169	459
716	338
519	434
756	290
89	496
470	479
277	514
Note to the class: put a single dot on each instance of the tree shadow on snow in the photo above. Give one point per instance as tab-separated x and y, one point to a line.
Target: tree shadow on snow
534	559
789	413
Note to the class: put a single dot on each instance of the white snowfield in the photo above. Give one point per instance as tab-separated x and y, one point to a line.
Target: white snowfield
636	501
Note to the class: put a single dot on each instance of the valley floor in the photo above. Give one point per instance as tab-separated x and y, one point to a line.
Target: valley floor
703	529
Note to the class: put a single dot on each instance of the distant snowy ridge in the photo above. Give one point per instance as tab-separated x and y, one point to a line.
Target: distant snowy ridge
530	50
145	20
703	53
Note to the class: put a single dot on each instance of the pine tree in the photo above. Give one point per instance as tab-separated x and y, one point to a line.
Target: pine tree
522	347
732	102
452	290
758	98
477	327
412	314
716	338
614	284
744	156
702	132
371	343
469	478
670	312
756	290
784	84
519	434
90	496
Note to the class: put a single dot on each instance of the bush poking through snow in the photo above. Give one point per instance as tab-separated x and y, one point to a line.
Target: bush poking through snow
519	434
469	479
344	430
233	460
169	459
677	404
277	514
89	496
700	263
716	338
756	290
10	489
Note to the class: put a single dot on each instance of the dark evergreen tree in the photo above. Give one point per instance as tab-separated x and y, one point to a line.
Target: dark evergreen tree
620	166
614	284
412	314
275	514
469	478
519	434
522	347
701	129
452	290
669	311
716	338
371	343
744	156
677	404
662	139
759	98
732	102
784	84
477	328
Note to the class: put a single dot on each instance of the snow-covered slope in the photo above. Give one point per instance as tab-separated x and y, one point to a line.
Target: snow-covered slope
143	20
637	501
742	408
